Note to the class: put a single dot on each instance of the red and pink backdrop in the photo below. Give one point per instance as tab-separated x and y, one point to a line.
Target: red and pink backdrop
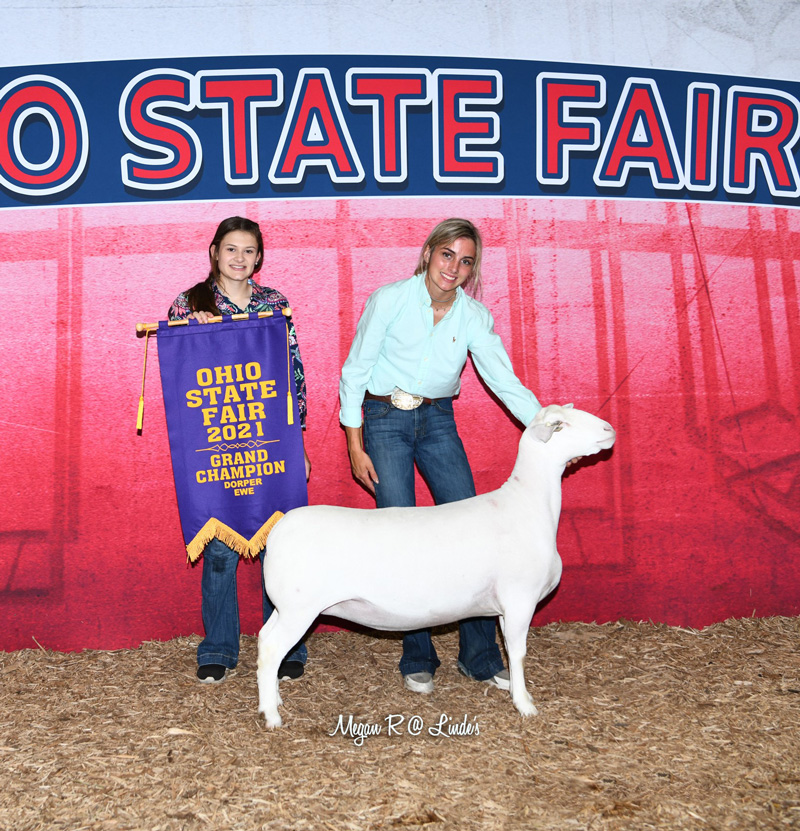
677	321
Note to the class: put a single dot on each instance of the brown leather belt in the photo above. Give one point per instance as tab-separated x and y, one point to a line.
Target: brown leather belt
388	398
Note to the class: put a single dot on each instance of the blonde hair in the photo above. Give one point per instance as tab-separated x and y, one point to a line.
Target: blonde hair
447	232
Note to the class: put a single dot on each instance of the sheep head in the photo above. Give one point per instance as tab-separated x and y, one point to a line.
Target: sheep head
568	432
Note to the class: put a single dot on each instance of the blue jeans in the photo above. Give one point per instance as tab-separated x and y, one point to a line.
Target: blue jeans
395	440
220	608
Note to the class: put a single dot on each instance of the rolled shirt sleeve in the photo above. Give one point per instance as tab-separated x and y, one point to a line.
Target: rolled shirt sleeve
364	353
494	366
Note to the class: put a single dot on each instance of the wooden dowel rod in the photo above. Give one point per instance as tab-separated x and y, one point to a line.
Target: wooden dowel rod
153	327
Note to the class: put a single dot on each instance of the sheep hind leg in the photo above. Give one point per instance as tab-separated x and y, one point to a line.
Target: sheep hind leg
515	634
269	659
265	630
278	635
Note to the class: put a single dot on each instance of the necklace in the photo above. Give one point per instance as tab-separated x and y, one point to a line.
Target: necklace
438	306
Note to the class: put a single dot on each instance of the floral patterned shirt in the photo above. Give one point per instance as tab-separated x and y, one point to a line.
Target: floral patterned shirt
262	299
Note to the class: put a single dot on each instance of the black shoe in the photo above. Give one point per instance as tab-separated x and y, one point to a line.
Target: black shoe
289	670
211	673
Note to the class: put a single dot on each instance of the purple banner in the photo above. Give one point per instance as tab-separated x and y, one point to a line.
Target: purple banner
234	429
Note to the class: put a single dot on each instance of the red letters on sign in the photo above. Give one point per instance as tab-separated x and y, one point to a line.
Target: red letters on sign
762	128
176	152
48	99
389	92
315	134
239	94
640	136
559	132
460	131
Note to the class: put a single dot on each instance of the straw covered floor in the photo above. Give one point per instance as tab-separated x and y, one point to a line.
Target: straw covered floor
640	726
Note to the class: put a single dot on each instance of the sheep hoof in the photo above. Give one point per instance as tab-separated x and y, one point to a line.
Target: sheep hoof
272	721
527	708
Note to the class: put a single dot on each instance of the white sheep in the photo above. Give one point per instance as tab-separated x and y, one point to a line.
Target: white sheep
493	554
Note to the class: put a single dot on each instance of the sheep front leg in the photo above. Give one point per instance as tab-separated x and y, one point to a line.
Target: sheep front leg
514	627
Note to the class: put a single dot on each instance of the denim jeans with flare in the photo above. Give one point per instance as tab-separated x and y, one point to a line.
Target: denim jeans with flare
395	440
220	608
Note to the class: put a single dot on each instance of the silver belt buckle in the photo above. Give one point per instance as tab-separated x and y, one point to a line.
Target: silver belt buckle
405	400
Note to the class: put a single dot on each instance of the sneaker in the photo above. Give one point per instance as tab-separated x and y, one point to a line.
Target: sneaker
211	673
421	682
289	670
501	680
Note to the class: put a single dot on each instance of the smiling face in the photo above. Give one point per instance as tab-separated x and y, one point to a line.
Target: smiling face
448	266
236	259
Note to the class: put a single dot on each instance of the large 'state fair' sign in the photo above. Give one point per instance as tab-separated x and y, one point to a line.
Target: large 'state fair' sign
248	127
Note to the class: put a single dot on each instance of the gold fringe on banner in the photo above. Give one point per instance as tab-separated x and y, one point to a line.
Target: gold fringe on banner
241	545
259	541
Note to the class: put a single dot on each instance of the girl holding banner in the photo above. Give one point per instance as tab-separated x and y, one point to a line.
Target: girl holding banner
403	370
235	253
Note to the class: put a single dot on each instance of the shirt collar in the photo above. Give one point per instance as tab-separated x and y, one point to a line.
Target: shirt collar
218	293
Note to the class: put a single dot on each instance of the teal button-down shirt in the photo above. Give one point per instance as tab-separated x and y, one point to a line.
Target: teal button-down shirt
397	345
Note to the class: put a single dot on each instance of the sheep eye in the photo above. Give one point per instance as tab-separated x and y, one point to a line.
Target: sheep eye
556	425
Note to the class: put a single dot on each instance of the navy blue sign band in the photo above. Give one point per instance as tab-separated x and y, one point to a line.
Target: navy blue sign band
312	126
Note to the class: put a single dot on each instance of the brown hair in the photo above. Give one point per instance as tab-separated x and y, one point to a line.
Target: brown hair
201	295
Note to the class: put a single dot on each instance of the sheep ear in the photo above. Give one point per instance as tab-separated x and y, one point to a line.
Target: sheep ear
567	406
543	432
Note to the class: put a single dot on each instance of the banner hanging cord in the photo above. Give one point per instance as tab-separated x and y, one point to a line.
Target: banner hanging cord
289	402
140	415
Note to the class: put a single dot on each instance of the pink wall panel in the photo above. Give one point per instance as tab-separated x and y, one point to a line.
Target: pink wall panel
678	323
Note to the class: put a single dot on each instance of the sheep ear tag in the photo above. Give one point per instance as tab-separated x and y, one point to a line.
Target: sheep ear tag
543	432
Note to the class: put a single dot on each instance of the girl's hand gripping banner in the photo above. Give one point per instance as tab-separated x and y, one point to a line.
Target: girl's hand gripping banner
234	429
